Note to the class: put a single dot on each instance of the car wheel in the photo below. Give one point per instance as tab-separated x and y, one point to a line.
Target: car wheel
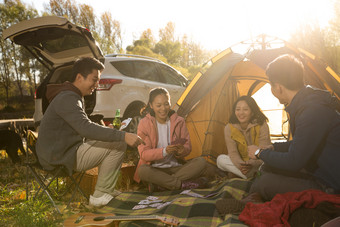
134	113
132	152
134	124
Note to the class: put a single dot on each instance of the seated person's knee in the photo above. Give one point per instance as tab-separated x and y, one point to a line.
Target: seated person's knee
221	159
201	161
144	172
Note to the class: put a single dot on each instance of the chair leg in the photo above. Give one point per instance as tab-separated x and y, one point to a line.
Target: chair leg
80	190
45	189
27	170
78	185
76	181
27	164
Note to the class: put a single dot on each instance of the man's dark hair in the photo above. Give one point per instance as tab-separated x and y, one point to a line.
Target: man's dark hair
257	115
286	70
85	66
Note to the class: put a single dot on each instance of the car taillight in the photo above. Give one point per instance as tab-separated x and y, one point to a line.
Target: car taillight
106	84
107	122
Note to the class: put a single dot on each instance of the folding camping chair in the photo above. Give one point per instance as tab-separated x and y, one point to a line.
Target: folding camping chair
44	177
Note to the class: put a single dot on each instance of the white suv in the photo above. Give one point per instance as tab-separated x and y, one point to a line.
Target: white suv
125	81
130	78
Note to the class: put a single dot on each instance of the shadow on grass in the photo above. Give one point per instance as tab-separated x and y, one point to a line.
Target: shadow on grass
15	210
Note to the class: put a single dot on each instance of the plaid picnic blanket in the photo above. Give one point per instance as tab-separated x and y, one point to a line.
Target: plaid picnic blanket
190	211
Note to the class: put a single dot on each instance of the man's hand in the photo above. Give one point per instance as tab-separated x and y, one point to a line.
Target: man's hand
271	147
245	167
251	151
133	140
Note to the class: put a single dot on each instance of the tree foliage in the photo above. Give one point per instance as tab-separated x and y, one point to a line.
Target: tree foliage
15	63
186	56
111	38
105	29
323	43
167	33
170	50
312	38
332	38
65	8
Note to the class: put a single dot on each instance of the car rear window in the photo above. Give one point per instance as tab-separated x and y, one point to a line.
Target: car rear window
124	67
144	70
53	40
66	42
170	76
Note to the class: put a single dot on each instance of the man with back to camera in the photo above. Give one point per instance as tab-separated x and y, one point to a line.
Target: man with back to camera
311	159
67	137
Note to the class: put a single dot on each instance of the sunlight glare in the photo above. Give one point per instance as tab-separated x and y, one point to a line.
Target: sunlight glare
215	24
272	108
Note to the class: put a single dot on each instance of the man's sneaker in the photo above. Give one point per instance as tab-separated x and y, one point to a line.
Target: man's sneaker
201	182
101	201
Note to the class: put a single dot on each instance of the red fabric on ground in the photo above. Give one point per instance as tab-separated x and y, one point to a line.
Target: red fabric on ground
276	212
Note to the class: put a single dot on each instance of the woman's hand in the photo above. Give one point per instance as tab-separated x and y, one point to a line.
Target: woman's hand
245	167
171	149
177	150
180	151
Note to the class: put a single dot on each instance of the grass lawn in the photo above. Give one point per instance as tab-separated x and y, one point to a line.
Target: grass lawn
15	210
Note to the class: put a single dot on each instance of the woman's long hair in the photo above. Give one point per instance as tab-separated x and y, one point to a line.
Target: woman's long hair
257	115
152	95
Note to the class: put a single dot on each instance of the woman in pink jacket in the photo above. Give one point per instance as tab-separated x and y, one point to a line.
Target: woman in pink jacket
167	142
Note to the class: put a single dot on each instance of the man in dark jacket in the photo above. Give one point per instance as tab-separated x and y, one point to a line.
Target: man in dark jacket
311	160
68	137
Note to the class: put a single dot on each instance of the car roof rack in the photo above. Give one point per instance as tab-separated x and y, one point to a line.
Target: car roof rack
132	55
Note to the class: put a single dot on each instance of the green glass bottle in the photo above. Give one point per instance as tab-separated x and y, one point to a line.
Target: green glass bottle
116	121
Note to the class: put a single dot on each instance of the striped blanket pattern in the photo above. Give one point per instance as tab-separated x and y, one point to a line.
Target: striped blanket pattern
189	210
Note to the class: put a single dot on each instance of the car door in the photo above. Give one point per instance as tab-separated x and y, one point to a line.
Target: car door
147	77
56	43
53	40
174	82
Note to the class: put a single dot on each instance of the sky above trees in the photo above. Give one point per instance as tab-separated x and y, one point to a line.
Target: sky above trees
215	24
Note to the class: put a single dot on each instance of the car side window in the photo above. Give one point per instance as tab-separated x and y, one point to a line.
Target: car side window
146	70
124	67
170	76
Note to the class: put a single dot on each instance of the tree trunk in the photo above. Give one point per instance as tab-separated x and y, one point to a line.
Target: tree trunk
18	74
